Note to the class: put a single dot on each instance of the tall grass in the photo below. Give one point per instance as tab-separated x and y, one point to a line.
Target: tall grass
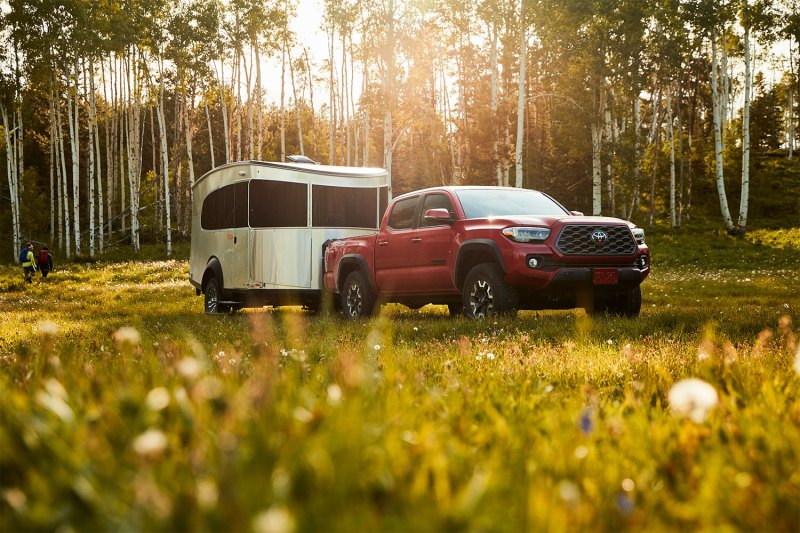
124	407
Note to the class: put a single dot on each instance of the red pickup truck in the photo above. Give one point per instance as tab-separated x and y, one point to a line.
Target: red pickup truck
486	251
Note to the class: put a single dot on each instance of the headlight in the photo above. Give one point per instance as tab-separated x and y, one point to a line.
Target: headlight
638	234
526	234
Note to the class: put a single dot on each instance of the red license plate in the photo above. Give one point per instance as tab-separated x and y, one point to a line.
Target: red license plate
604	276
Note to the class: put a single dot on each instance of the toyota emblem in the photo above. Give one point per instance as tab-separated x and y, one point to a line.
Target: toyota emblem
599	237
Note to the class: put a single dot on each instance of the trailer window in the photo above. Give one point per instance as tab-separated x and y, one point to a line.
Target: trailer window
225	208
278	204
344	207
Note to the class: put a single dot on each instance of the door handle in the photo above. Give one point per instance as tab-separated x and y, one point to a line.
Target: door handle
416	240
383	243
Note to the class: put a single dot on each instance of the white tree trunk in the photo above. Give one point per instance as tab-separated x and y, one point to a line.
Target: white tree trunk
718	147
74	133
64	201
671	140
210	135
296	106
223	106
98	159
90	166
162	130
283	98
259	99
748	87
13	181
521	99
134	144
495	117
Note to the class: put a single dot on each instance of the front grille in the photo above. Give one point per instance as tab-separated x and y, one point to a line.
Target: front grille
577	240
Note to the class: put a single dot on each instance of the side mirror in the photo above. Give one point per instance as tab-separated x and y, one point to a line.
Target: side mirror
438	216
576	213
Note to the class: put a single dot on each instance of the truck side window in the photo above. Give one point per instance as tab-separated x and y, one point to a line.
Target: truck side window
402	216
435	201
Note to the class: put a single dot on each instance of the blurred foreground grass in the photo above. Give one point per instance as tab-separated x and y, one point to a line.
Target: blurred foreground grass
125	408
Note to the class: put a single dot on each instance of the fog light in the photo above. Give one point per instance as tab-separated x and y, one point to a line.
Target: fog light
533	262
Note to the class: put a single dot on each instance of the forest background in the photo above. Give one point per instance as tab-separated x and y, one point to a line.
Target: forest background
667	112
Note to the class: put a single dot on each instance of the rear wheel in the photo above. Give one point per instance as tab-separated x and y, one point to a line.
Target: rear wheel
211	298
356	298
486	294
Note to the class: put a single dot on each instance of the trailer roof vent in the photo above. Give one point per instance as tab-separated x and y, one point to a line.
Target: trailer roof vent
301	159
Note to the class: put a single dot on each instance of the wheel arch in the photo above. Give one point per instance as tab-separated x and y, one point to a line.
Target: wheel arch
474	252
350	263
213	269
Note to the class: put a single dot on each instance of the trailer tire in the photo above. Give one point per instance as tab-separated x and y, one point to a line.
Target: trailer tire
211	296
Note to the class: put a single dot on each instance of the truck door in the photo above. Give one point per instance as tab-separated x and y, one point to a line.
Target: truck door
434	242
395	247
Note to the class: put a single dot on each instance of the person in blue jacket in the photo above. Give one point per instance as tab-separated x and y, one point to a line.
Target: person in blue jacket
28	262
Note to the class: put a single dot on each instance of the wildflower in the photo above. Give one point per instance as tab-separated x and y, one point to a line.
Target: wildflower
693	398
157	399
127	335
54	399
48	329
189	368
207	494
624	503
377	347
628	485
585	421
151	443
797	361
581	452
274	520
334	394
569	492
490	356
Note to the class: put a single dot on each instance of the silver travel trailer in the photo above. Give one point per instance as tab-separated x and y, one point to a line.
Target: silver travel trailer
259	229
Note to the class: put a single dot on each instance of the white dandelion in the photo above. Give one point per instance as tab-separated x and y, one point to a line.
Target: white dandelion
151	443
127	335
693	398
157	399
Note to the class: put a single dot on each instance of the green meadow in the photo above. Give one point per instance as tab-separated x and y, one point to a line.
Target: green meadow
124	407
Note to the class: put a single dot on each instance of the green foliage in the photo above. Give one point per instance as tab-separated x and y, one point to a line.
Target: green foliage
125	408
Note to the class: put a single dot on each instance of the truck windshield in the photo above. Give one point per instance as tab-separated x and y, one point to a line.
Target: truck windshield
489	202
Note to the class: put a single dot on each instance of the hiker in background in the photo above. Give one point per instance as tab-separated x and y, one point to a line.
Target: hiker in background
28	262
45	262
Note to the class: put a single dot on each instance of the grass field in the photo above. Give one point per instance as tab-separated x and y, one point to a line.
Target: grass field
125	408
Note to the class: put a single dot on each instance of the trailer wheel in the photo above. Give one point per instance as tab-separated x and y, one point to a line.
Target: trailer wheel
211	298
356	298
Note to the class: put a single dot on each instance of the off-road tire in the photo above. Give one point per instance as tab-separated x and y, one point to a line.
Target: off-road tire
356	297
486	294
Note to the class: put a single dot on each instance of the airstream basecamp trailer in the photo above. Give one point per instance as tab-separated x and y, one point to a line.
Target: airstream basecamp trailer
259	229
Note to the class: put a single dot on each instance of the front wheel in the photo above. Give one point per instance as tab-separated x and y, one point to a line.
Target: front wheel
627	304
356	298
211	298
486	294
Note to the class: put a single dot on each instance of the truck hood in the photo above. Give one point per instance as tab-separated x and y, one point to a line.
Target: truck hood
550	221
